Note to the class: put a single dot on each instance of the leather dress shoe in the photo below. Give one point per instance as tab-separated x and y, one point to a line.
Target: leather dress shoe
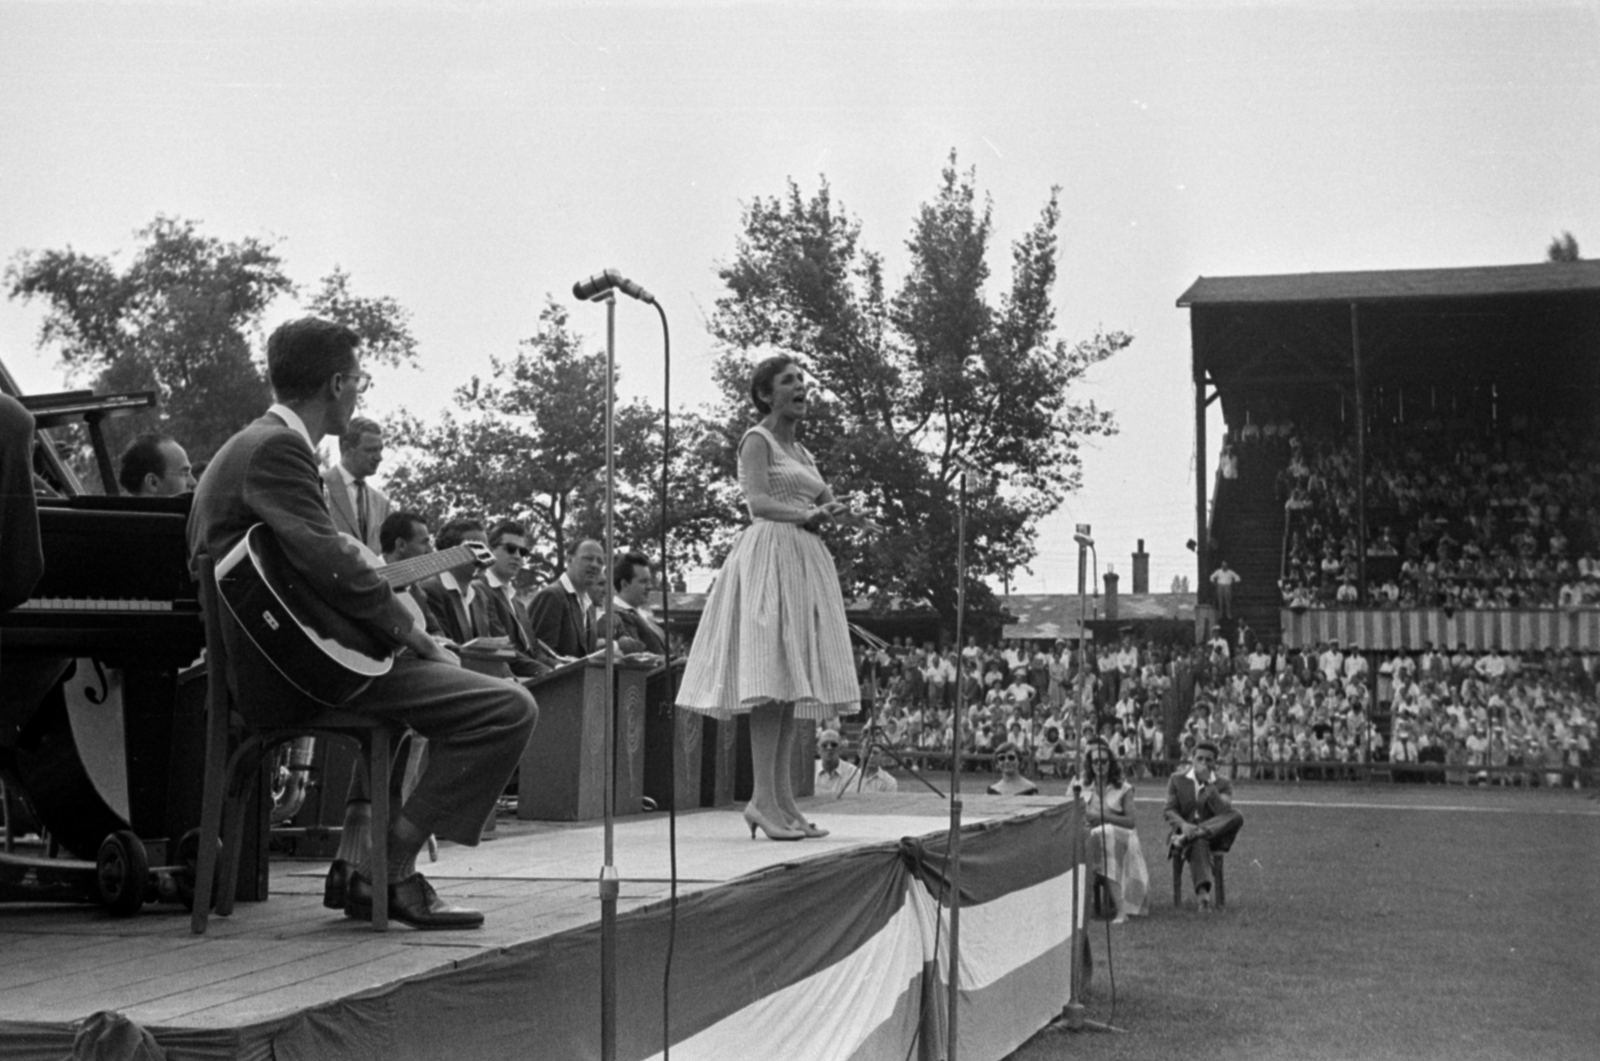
411	902
335	888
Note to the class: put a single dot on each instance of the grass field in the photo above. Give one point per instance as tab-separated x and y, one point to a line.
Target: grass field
1383	921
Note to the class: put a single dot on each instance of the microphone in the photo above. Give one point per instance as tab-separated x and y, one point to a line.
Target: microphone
600	283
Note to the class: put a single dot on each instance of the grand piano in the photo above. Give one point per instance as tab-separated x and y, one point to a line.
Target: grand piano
100	728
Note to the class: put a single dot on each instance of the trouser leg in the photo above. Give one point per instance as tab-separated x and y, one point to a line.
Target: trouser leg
477	729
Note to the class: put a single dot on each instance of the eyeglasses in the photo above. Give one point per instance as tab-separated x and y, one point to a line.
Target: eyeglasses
363	382
1205	758
829	744
1005	758
515	550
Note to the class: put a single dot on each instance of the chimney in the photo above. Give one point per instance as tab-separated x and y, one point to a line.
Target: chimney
1111	594
1141	569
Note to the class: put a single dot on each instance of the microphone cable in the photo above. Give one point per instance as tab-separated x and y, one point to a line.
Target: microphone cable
938	931
672	690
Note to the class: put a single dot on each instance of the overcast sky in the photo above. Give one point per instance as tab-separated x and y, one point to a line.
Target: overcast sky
469	159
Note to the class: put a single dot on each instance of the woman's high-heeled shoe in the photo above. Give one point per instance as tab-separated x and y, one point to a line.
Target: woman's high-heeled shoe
755	819
811	830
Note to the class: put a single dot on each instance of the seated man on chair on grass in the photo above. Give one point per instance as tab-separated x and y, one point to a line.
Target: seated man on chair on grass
1200	811
477	726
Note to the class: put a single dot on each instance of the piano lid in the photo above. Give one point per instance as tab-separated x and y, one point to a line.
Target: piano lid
68	407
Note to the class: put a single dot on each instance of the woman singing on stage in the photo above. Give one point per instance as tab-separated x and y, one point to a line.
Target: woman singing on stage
773	641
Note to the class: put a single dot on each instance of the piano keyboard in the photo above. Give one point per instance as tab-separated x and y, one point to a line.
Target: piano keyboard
79	604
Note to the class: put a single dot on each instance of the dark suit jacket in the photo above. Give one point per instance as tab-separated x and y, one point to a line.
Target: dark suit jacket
1185	807
634	635
556	618
507	618
267	473
456	620
344	515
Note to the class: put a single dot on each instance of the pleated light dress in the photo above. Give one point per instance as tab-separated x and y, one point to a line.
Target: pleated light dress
774	628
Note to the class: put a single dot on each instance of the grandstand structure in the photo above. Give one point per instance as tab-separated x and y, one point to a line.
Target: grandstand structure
1432	379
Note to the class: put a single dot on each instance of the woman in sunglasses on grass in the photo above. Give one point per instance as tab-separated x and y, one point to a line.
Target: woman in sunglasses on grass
1113	839
1008	757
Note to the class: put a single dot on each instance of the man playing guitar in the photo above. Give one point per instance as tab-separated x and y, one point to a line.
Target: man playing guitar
477	726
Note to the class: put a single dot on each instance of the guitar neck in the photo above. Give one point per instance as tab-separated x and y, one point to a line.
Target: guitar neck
404	572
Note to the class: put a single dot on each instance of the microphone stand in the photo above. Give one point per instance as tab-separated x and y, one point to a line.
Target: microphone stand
610	882
957	724
601	288
1072	1014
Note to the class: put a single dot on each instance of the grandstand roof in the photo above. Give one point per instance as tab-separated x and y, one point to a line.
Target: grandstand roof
1480	342
1484	281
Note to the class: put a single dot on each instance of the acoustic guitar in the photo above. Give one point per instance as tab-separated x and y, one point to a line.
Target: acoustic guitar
316	649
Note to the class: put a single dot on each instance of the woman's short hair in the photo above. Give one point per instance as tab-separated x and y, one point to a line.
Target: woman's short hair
765	375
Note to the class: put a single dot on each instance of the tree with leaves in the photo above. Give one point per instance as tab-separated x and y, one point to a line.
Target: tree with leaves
175	321
1563	248
184	320
528	443
916	386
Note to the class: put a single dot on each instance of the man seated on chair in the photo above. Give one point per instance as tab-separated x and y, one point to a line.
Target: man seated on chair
405	536
877	779
454	600
561	615
834	773
477	726
636	629
154	465
497	584
1200	811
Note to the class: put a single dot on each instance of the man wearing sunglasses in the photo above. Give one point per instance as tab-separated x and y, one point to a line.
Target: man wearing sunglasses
508	616
834	774
1200	811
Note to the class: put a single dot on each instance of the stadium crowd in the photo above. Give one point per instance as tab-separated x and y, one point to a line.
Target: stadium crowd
1274	712
1457	518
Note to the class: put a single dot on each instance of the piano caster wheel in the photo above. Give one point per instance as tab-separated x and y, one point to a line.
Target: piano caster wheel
188	857
123	873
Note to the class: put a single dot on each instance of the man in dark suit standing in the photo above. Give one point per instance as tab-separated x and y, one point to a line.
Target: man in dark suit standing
562	613
358	508
636	629
477	726
1200	811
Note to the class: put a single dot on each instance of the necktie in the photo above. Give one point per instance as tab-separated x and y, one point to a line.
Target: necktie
361	507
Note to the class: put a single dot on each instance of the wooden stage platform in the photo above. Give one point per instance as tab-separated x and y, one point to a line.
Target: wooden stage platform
260	978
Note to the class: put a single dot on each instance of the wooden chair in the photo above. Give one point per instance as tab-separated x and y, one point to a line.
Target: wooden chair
229	777
1218	887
